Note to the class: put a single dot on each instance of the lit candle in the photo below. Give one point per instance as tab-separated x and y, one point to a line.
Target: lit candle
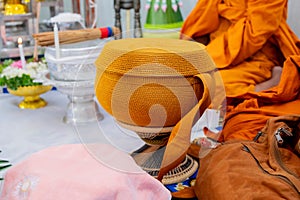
20	45
56	44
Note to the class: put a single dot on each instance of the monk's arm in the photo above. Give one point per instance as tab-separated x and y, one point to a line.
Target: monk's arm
273	81
203	19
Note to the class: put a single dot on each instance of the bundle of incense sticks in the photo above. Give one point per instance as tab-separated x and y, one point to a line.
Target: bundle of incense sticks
73	36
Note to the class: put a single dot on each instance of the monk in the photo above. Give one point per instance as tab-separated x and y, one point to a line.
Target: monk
248	40
258	57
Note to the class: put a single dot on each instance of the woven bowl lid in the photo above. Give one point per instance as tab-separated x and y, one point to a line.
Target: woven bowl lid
150	81
186	57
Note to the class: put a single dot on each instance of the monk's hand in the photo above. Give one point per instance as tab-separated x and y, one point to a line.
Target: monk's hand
202	39
273	81
201	146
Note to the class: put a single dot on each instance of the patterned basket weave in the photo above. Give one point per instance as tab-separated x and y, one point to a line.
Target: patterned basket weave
149	82
151	164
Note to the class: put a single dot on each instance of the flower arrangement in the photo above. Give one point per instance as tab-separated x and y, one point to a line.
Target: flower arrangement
14	75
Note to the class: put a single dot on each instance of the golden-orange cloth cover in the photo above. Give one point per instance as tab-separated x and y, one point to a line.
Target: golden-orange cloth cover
137	74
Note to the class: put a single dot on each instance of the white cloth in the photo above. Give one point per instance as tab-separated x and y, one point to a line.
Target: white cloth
25	131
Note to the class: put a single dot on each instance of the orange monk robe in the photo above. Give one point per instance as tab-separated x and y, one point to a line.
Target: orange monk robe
247	38
250	115
249	112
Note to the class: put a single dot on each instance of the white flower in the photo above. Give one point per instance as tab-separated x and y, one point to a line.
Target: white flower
33	69
11	72
31	72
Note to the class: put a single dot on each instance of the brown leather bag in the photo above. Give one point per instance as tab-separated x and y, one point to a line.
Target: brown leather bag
267	168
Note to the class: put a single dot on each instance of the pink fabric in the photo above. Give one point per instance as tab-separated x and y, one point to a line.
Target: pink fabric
71	172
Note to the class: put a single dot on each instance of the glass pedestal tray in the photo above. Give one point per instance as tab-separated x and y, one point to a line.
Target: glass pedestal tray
82	107
73	73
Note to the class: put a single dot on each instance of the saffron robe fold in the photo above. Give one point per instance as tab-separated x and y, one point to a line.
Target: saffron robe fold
247	38
248	113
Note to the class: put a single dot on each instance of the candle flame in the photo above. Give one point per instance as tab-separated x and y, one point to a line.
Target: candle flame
19	40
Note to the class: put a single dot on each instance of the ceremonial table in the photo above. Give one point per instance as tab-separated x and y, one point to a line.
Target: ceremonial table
24	132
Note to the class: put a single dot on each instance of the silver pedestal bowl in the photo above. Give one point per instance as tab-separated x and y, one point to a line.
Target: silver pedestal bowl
73	74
